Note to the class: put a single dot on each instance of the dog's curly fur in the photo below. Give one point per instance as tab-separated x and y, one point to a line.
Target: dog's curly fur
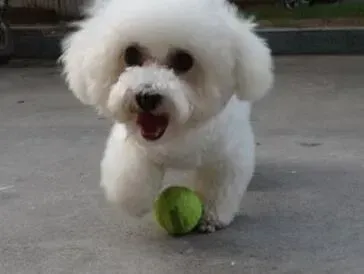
206	103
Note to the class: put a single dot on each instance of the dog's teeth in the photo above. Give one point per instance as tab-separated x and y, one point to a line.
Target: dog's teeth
158	132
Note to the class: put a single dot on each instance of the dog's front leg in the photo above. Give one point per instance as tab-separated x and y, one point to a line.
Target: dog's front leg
129	179
221	187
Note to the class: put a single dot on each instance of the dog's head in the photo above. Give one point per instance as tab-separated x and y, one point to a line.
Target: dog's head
165	66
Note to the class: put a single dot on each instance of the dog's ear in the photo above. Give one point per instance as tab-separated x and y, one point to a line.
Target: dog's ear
253	73
91	63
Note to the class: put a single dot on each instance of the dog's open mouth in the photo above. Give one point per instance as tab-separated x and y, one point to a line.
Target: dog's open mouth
152	126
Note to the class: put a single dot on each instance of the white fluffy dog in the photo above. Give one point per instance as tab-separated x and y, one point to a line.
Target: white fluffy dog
177	77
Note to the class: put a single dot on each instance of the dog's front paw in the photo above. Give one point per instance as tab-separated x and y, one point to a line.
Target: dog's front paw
210	223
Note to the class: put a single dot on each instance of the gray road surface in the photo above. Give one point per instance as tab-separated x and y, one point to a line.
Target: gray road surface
303	213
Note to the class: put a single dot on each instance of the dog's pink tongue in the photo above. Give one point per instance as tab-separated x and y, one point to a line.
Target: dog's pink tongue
152	126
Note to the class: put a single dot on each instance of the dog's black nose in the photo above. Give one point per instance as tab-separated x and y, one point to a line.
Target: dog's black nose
148	101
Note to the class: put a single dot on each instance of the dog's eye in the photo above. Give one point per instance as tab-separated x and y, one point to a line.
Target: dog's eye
180	61
133	56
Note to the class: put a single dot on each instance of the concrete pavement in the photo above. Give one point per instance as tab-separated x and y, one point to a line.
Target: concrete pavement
303	213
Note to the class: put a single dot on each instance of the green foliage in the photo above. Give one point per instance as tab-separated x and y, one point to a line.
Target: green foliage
330	11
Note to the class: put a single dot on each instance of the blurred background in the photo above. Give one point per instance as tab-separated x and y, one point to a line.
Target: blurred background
270	13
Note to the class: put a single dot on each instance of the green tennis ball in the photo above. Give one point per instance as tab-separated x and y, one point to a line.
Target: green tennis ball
178	210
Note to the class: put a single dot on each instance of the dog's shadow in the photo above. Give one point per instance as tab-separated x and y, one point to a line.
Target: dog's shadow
265	228
272	176
277	217
264	238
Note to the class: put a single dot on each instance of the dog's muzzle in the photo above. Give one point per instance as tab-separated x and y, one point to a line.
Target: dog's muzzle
152	126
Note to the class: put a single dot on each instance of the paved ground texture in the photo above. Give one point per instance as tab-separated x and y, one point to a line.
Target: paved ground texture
303	213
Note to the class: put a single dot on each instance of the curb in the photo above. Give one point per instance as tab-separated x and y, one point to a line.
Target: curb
336	41
44	42
37	42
